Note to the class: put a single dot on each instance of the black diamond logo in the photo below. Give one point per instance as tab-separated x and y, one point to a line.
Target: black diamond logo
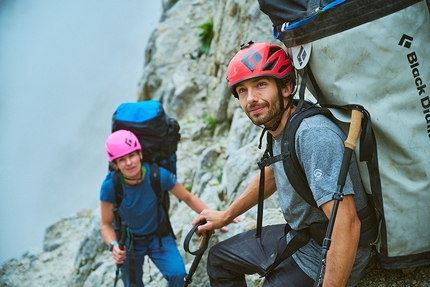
406	41
254	56
301	56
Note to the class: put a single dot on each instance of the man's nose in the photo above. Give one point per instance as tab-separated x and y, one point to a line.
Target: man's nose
251	96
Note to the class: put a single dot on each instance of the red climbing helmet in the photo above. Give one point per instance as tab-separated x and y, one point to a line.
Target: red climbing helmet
257	60
120	143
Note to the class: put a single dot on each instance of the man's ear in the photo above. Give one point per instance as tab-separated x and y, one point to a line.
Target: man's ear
140	155
287	89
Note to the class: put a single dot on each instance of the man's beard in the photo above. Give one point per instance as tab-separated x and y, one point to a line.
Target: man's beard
267	118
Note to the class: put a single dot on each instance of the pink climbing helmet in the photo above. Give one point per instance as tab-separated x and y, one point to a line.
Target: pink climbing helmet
120	143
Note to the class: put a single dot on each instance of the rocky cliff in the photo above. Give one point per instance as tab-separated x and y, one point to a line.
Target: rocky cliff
216	158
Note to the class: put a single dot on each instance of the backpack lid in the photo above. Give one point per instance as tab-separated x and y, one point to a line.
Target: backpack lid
138	111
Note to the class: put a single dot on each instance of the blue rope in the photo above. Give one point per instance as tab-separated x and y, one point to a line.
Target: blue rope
286	26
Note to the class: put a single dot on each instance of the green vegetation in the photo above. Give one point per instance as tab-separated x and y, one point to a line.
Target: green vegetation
219	177
212	123
206	35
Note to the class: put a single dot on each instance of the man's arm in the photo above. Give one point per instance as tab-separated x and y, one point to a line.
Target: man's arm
216	219
344	242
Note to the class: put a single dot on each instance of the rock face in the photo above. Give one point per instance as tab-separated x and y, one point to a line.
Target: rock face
216	158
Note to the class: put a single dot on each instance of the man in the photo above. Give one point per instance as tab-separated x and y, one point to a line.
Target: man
139	210
260	75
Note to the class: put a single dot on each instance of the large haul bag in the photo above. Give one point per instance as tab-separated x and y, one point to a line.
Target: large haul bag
376	54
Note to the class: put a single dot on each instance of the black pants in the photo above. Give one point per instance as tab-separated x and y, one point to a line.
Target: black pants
230	260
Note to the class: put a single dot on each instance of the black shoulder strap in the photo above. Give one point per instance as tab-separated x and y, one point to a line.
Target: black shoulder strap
293	169
116	180
119	192
155	181
283	250
297	176
161	202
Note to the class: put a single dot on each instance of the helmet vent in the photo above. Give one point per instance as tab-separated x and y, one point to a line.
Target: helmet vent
269	65
283	68
273	50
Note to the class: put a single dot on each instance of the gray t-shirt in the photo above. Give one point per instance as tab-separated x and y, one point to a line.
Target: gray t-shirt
319	148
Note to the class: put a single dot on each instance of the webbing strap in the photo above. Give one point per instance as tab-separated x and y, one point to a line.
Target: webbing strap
271	160
284	250
260	202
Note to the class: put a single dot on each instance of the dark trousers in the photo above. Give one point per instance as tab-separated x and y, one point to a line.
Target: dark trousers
230	260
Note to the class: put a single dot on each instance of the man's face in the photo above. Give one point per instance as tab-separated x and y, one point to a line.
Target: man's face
129	165
259	99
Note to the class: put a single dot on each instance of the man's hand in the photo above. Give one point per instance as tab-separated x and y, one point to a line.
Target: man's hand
214	220
118	254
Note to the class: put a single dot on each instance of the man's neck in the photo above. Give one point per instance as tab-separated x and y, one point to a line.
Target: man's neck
283	122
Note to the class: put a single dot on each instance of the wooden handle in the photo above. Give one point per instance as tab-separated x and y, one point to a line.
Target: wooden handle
354	129
204	239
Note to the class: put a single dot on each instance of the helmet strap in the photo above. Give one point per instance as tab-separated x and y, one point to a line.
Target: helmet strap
282	109
281	112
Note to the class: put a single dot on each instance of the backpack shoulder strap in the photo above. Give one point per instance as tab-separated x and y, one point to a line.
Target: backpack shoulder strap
119	192
156	181
156	186
292	167
297	177
295	174
161	202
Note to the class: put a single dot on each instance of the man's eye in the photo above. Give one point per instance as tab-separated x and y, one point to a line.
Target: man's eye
240	90
261	84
